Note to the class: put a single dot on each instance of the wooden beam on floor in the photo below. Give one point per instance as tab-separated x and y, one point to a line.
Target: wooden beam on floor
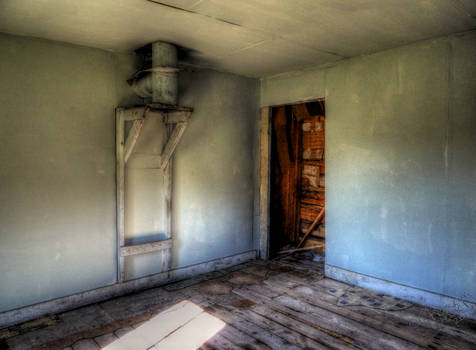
300	249
314	223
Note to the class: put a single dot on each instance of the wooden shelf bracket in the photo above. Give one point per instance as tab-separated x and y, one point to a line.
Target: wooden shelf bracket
176	120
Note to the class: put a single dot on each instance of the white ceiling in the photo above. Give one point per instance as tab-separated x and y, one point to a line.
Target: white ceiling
250	37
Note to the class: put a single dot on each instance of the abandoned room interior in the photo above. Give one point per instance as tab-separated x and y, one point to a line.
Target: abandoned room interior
254	174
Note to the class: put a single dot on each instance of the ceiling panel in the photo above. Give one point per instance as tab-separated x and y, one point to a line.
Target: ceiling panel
272	57
249	37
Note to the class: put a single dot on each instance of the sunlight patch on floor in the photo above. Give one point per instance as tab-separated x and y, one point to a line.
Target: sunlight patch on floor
183	326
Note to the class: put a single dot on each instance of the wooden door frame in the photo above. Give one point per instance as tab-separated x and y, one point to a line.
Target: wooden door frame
265	162
264	188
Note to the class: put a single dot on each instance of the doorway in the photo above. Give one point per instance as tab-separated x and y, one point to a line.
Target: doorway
297	178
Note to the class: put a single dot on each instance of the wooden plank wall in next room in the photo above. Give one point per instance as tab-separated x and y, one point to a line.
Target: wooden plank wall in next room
297	174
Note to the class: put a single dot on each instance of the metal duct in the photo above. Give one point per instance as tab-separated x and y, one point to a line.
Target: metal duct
159	82
143	86
164	85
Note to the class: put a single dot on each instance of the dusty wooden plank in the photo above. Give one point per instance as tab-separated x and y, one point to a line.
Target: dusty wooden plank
310	175
249	328
173	117
320	340
264	182
285	173
312	330
146	247
316	220
415	316
297	182
168	176
172	143
311	269
120	183
314	246
105	339
85	344
133	113
177	114
343	328
260	316
159	107
319	232
310	154
320	298
300	111
280	131
215	305
327	336
133	136
242	340
318	243
220	342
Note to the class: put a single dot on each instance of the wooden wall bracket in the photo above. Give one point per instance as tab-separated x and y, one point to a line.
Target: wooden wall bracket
176	120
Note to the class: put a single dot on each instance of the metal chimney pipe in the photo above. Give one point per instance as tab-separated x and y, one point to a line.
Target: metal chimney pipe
160	81
164	84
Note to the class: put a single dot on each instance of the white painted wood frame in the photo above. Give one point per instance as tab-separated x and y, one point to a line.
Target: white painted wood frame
176	122
264	181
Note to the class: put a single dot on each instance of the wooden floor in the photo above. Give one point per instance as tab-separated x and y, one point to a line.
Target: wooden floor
280	304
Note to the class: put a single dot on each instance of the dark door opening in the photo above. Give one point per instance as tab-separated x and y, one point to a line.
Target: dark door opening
297	177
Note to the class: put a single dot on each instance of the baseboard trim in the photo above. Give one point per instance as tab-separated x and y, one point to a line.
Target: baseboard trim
30	312
459	307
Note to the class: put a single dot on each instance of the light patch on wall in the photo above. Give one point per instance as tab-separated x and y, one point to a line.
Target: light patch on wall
236	169
445	156
355	156
430	242
58	251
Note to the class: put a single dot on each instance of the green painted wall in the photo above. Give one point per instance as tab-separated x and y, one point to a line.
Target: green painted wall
57	149
213	168
400	161
58	170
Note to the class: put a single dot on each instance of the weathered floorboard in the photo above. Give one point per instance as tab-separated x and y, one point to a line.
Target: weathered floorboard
316	297
419	316
279	304
345	329
260	316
